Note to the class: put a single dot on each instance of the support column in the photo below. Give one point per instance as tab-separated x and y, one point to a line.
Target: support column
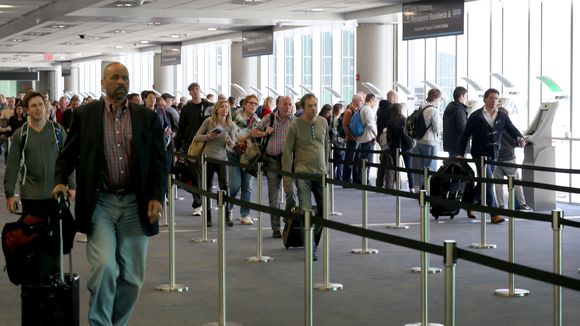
163	76
244	70
71	83
371	55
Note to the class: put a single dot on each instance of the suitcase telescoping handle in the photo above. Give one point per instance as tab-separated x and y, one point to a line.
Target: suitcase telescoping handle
63	204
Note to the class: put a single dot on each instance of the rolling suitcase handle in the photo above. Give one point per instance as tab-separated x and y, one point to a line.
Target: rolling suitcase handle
63	203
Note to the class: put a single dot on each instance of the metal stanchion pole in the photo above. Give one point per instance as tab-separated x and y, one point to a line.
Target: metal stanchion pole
557	216
483	242
426	180
308	305
425	270
176	195
164	212
172	287
221	220
259	258
332	212
450	262
511	291
326	285
398	224
204	208
425	235
365	250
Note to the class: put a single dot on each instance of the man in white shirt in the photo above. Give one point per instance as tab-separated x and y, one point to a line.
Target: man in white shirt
429	143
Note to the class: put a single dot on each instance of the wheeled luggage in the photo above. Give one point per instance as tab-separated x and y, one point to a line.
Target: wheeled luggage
293	234
450	183
54	301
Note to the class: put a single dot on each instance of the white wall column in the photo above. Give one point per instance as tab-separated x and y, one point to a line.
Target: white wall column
163	76
71	83
371	56
244	70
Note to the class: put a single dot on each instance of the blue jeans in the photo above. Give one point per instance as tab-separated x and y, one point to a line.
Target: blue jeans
237	179
421	163
338	155
349	172
274	183
360	156
307	189
117	253
489	193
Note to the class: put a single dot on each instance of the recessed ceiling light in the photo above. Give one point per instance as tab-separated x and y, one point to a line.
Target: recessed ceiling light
62	58
212	29
118	46
175	36
78	54
71	43
153	23
17	40
144	42
317	9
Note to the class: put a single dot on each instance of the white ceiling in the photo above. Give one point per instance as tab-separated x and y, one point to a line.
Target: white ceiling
32	31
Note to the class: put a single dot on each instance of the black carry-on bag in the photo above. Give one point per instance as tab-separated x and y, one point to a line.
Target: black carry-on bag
450	183
55	301
293	234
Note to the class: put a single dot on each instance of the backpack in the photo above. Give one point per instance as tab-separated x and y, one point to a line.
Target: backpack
339	128
415	124
356	126
24	140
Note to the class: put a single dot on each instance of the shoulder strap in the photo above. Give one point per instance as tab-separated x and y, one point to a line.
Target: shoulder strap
23	141
272	117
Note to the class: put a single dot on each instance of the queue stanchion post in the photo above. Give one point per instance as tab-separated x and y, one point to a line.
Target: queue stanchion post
450	258
204	238
332	212
365	250
424	269
425	234
259	258
308	278
326	285
557	215
164	212
177	197
511	291
482	244
172	286
397	224
222	264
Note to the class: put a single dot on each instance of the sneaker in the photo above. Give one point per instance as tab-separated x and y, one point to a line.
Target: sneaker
246	220
197	211
276	234
526	208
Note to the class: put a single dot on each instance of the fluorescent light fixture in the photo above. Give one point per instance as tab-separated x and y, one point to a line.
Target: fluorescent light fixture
144	42
473	84
118	46
6	6
505	82
212	29
174	35
332	91
273	91
372	88
316	9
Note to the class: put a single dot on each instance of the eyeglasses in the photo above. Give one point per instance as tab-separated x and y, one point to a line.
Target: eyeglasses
253	103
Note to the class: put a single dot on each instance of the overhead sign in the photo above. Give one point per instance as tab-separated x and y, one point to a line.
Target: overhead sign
424	19
258	42
65	67
171	54
18	75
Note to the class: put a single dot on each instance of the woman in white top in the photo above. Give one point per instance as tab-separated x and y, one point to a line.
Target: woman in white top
218	131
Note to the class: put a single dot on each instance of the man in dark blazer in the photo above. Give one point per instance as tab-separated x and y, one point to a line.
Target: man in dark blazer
485	126
117	150
454	120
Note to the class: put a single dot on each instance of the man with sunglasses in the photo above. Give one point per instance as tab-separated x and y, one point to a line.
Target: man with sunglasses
305	153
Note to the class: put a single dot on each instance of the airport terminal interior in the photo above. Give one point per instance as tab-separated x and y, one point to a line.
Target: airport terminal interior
526	49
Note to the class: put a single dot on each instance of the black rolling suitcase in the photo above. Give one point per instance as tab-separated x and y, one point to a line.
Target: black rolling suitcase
55	301
293	234
449	183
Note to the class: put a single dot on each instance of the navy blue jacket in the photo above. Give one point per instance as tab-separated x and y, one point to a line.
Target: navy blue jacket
454	120
485	139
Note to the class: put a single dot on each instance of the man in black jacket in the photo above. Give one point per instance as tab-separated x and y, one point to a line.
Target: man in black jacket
190	119
384	111
117	149
454	120
485	126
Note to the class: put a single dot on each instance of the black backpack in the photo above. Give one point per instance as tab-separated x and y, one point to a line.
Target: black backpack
339	128
415	124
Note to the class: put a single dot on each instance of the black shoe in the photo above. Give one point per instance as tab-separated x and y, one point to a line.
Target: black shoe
229	222
314	256
209	223
276	234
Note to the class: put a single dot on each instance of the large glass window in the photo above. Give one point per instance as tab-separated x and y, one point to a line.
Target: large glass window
140	67
289	61
347	64
307	60
325	66
90	77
